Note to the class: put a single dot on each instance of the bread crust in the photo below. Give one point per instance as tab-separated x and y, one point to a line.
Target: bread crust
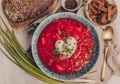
18	25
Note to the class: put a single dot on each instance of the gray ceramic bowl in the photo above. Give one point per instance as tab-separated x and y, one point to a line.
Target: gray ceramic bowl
35	40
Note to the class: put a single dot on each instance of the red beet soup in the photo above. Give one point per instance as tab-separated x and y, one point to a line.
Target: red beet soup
65	61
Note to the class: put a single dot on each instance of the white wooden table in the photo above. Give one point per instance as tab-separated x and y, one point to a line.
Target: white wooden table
11	74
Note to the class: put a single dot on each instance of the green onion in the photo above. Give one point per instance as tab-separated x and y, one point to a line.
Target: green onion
17	54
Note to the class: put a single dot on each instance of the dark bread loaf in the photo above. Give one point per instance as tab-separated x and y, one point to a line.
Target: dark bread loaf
22	12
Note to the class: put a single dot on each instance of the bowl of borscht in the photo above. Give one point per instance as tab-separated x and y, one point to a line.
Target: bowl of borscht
65	46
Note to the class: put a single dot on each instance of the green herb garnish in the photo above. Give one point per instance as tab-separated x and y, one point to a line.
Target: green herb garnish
66	50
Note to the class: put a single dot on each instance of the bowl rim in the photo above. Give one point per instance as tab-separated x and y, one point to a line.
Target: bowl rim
87	14
42	66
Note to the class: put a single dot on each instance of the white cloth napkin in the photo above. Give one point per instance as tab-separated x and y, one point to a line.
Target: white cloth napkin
114	58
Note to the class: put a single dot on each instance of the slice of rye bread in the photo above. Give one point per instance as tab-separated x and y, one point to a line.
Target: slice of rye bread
25	19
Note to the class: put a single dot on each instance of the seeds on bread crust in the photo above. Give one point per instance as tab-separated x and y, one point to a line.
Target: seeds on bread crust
22	10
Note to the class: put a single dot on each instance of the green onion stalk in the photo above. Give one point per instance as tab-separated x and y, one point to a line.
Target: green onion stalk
17	54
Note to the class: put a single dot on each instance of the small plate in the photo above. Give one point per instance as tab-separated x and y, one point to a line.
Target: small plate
79	2
87	14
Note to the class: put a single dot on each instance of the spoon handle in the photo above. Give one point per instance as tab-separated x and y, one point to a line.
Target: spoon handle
104	63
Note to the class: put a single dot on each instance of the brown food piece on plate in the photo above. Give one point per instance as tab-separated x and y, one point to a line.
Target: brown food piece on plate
102	3
95	5
114	10
99	12
109	15
102	19
99	3
89	11
94	20
22	12
106	3
97	8
92	8
103	9
93	16
94	0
